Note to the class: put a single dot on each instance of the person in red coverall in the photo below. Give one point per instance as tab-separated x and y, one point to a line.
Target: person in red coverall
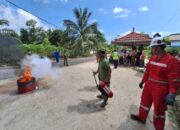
162	80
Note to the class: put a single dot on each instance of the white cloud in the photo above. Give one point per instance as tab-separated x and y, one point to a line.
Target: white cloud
109	39
127	32
120	12
161	33
143	9
121	16
117	10
94	20
102	10
101	30
124	33
17	18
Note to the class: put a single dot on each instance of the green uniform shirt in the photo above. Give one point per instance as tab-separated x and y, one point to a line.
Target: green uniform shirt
103	69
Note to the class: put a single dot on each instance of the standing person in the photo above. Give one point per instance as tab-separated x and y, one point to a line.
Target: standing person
142	58
133	55
128	58
65	56
104	73
137	58
57	56
121	59
162	80
115	56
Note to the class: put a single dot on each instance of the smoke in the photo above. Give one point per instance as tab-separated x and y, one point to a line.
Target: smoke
40	67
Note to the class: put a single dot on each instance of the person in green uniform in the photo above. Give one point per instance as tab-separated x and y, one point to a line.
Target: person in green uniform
104	73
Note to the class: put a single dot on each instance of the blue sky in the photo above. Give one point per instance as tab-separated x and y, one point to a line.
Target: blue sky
114	17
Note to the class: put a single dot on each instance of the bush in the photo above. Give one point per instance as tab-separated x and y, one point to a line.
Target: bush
43	49
173	51
147	52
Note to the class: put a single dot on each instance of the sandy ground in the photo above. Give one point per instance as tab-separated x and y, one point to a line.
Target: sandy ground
70	103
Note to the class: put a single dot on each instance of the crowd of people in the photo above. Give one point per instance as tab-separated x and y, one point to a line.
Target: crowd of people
124	57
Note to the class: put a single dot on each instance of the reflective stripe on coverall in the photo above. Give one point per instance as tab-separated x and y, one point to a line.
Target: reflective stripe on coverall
161	77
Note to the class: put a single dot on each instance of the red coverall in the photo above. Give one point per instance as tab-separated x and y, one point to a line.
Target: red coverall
161	77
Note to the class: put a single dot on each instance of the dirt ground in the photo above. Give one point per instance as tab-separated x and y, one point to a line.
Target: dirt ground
69	102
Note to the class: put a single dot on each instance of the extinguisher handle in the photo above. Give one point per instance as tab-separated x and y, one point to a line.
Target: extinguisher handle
95	79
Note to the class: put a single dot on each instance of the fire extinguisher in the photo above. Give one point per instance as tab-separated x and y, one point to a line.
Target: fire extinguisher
103	88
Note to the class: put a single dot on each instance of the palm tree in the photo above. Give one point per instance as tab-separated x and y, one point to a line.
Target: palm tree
4	22
7	31
84	35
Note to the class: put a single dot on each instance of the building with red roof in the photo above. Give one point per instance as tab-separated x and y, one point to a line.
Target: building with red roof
133	39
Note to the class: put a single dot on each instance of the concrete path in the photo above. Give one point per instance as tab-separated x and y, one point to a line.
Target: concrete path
69	102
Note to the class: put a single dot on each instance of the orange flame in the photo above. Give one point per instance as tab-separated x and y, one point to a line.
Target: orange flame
26	76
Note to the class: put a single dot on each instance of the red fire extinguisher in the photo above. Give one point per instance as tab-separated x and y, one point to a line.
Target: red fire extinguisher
103	88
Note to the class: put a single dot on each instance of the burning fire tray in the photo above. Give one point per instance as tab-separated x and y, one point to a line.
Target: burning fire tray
28	86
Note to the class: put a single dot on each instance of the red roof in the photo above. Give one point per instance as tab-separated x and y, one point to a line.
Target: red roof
133	38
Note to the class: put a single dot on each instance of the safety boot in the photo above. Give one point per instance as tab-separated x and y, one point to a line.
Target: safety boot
136	118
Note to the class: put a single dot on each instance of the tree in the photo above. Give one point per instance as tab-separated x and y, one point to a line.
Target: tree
4	22
84	35
56	37
7	31
32	34
10	45
41	34
24	35
31	23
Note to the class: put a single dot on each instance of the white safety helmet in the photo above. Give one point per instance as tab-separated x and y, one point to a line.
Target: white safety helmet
157	41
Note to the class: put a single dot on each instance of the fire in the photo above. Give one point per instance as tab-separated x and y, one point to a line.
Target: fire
26	76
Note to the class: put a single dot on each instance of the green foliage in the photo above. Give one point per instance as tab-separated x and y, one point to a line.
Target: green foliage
147	52
56	37
65	52
106	47
46	49
32	33
84	36
112	47
43	49
173	51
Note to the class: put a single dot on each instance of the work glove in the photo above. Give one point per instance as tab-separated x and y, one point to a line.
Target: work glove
170	99
141	85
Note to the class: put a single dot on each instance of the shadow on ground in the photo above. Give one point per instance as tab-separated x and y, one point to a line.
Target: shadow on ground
86	106
88	88
133	125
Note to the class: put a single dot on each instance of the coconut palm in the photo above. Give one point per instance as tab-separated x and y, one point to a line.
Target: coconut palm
4	22
84	35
